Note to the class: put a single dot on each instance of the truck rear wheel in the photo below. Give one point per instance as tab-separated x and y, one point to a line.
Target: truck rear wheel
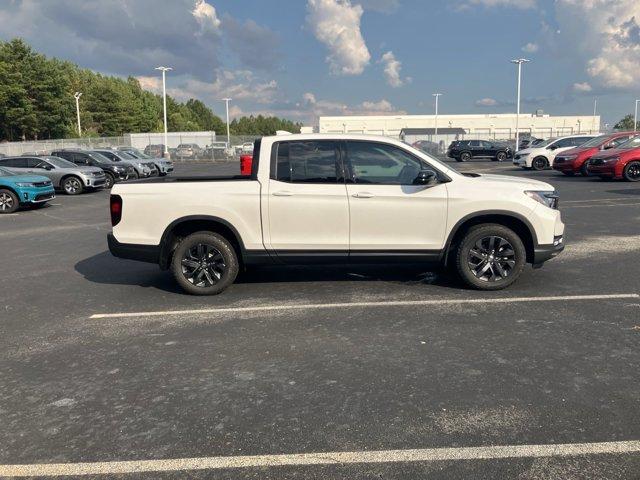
490	257
204	263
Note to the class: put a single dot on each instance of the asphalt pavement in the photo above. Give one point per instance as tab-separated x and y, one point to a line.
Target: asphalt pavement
105	360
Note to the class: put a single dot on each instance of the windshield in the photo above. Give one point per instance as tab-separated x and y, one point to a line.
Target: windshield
125	156
595	142
60	162
546	142
5	173
141	155
98	157
633	143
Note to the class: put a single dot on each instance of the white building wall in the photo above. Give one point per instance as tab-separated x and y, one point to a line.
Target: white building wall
477	126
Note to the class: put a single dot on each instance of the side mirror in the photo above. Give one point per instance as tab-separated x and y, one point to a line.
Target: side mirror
426	177
607	147
551	147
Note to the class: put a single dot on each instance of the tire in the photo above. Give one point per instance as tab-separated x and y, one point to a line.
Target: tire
584	170
109	181
465	157
501	156
569	174
135	176
631	172
213	249
539	163
72	186
9	201
477	250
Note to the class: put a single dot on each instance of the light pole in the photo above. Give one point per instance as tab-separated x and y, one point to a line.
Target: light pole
227	100
436	95
77	96
595	109
635	117
164	71
519	62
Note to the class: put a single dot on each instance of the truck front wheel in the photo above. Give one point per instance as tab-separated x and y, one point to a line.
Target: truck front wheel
204	263
490	257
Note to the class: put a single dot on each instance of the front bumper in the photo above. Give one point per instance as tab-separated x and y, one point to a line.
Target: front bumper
94	182
36	195
130	251
602	170
542	253
521	161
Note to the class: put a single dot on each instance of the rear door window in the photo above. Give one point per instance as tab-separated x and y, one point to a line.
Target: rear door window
307	162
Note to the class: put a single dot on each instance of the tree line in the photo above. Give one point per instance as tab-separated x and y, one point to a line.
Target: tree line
36	103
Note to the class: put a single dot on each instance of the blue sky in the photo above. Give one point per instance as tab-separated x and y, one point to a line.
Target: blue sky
304	58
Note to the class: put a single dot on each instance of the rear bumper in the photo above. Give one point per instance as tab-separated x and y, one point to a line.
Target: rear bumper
542	253
131	251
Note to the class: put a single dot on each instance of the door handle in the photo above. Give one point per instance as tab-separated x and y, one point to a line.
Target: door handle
282	194
362	195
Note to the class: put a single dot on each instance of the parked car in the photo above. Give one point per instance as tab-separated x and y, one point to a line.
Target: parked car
218	151
297	207
189	151
426	146
165	167
154	150
143	168
21	190
465	150
542	155
67	176
529	142
575	160
113	172
618	163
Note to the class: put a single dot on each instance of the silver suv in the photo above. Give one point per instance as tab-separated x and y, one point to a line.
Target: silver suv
65	175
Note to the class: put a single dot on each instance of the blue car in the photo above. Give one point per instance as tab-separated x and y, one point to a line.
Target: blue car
23	190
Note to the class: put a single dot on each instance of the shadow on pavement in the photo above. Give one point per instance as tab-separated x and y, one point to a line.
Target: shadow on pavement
105	269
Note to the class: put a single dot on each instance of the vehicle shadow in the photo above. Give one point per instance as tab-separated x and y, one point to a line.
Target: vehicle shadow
103	268
629	191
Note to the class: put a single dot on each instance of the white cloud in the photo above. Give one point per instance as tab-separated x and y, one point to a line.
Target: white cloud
486	102
522	4
531	47
336	24
382	6
206	15
583	87
392	70
606	37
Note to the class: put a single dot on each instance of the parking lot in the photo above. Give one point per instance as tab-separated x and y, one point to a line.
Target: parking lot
107	368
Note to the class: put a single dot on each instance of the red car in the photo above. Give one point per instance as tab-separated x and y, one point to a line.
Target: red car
571	162
622	162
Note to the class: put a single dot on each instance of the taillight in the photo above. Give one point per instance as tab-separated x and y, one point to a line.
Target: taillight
245	164
116	209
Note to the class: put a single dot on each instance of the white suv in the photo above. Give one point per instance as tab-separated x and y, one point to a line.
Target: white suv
541	156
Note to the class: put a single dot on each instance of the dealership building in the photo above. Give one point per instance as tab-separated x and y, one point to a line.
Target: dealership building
490	126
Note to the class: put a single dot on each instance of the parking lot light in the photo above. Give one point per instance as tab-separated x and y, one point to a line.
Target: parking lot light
519	62
436	95
164	70
226	101
77	96
635	117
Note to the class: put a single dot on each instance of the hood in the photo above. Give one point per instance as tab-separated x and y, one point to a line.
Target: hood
576	151
86	169
525	151
612	152
517	182
26	178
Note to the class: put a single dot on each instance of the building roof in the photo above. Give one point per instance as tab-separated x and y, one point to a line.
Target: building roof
432	131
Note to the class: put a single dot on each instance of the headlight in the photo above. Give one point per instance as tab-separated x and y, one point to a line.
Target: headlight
522	155
570	158
610	160
548	199
25	184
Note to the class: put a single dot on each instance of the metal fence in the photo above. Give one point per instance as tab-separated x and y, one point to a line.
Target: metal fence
196	146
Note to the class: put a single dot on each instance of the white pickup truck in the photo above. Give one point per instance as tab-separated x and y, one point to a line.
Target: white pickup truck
337	199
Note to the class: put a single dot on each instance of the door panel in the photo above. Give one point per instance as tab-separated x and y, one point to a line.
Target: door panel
387	211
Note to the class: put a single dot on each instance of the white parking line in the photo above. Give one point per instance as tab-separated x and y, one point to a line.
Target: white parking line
399	303
325	458
600	205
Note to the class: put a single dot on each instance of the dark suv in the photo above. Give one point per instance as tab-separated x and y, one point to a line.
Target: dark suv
113	172
464	150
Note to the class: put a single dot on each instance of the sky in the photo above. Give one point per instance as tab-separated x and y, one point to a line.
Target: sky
300	59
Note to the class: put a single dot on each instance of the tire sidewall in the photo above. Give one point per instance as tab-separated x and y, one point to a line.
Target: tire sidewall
68	179
226	250
471	237
537	167
501	156
465	157
16	201
110	181
626	172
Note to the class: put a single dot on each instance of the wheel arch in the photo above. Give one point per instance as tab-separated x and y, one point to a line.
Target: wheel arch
184	226
11	189
69	175
516	222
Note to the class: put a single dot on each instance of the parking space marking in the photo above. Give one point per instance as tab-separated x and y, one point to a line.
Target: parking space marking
398	303
324	458
598	205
